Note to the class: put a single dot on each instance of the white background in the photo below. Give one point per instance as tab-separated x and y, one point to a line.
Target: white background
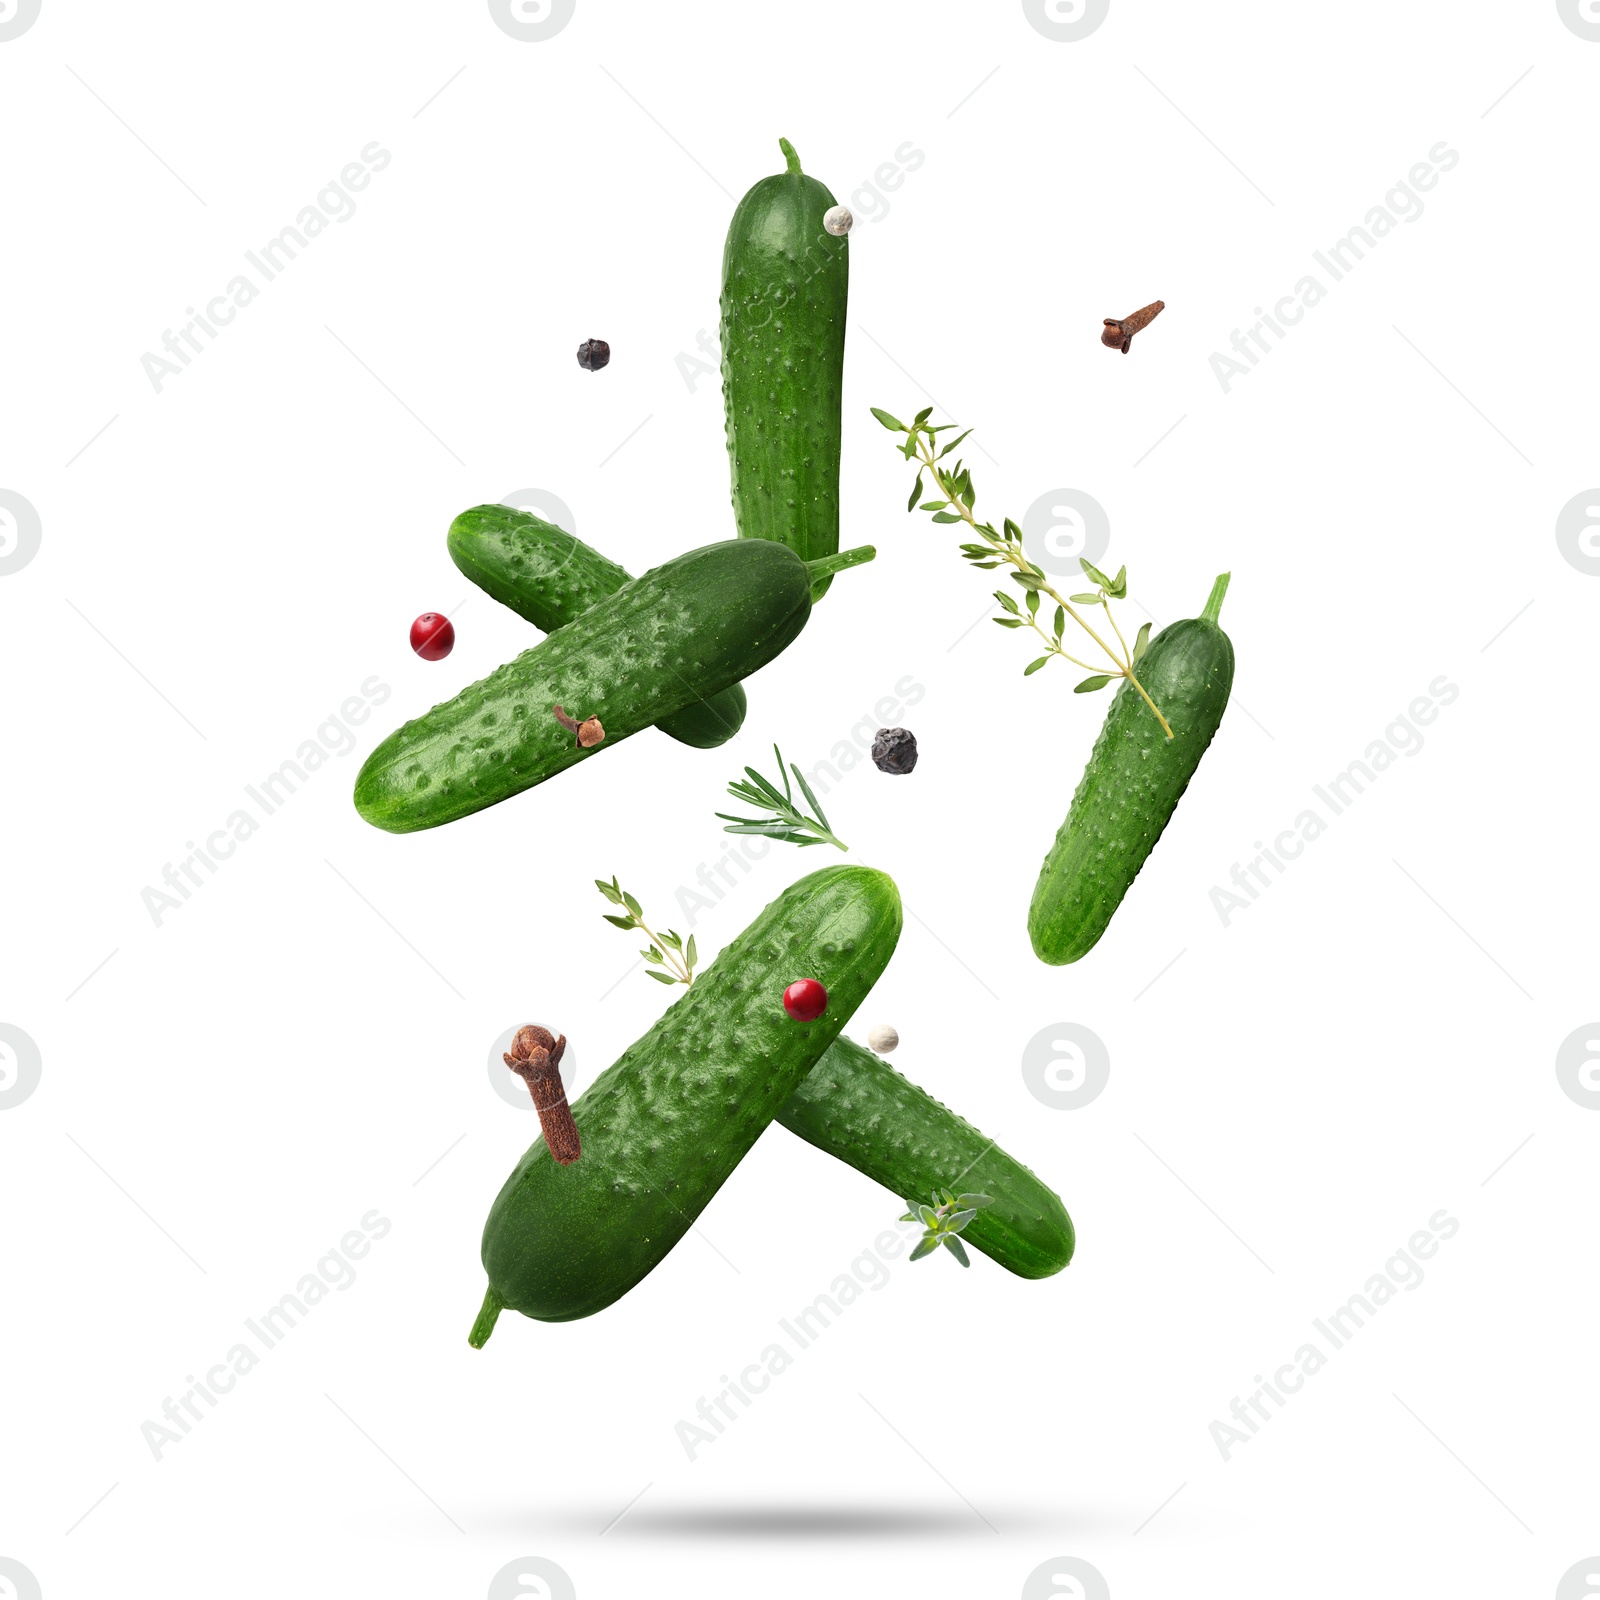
305	1040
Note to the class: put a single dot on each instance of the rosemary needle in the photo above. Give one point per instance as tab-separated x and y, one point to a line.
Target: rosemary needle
787	821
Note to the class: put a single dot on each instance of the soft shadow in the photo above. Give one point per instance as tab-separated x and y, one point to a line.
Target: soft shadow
777	1522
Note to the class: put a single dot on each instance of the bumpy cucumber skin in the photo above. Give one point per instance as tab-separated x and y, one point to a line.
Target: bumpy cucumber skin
858	1108
664	1127
683	630
785	284
1134	779
551	577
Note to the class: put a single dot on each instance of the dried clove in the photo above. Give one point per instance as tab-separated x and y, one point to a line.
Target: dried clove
1118	332
588	731
535	1057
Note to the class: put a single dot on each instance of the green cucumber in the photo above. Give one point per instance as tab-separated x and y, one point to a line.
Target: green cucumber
1134	779
664	1127
785	282
550	577
857	1107
684	630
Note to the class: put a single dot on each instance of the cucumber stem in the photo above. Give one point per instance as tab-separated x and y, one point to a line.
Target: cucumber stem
826	566
791	156
493	1305
1214	604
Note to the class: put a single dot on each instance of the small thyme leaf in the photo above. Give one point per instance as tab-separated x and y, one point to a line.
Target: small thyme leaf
1033	666
1142	642
953	499
1089	685
665	949
955	1247
1009	622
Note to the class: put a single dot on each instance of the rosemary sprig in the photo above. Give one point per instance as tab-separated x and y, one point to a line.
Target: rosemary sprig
666	950
788	821
943	1220
953	502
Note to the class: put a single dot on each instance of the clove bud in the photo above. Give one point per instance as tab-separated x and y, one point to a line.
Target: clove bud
535	1057
588	732
1119	331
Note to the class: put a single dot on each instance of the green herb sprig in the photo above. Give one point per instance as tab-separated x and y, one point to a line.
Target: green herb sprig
788	821
943	1220
953	502
674	956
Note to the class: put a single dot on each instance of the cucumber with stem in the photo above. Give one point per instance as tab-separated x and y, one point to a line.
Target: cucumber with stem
785	287
1132	784
665	1126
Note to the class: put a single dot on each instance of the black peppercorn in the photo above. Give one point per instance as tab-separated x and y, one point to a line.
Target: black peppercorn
593	354
894	750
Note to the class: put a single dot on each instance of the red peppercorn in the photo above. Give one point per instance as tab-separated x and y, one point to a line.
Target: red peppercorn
805	1000
433	636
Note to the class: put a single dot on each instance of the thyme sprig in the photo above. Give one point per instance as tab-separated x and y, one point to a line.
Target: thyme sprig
953	502
667	951
788	821
943	1220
